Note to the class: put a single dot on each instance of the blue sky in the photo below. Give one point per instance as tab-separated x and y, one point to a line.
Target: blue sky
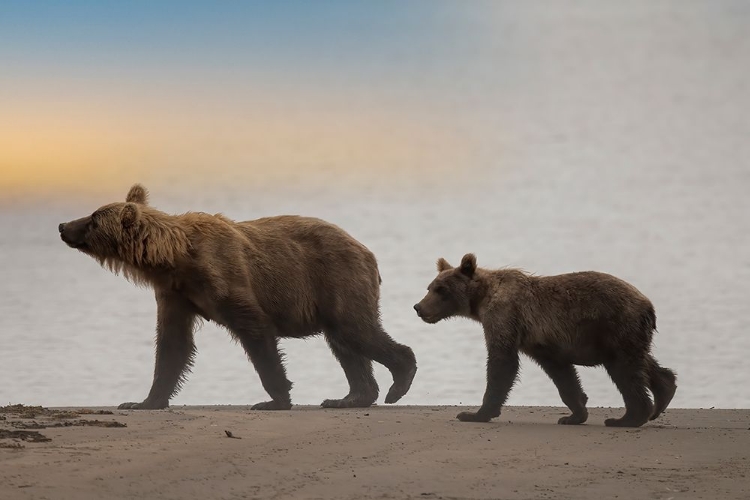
103	87
338	35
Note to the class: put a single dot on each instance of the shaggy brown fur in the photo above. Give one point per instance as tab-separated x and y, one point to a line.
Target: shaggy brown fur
274	277
585	318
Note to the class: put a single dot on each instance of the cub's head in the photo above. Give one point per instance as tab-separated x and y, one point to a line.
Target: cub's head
102	233
449	293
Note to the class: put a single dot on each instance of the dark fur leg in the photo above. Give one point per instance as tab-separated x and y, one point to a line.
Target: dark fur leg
175	350
631	378
663	384
374	343
398	358
263	351
363	389
568	385
502	370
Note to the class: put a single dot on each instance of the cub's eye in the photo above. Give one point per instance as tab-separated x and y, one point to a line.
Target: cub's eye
94	223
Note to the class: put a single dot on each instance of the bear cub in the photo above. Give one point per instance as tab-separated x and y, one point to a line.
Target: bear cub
264	279
585	318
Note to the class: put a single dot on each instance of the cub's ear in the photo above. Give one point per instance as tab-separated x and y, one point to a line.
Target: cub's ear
469	264
442	265
130	214
137	194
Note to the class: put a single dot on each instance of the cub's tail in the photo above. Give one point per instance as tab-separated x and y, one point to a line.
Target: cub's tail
650	318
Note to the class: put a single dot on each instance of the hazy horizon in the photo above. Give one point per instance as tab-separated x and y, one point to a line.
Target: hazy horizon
552	136
98	96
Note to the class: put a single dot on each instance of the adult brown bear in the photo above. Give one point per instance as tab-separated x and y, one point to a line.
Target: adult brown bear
274	277
585	318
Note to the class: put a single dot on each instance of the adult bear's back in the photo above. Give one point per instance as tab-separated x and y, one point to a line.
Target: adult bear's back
305	262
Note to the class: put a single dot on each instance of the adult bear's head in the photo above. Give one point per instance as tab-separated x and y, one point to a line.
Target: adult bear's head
131	237
103	233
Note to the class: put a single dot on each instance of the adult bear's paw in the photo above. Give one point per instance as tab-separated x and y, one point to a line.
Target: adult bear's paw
349	402
144	405
401	384
272	405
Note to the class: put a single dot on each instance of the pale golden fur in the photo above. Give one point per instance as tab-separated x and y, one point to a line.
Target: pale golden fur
285	276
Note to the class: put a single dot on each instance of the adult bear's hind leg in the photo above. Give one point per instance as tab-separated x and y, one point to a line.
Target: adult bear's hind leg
263	351
398	358
363	389
175	350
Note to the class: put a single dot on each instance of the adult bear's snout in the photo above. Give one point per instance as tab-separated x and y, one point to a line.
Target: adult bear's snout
73	233
418	309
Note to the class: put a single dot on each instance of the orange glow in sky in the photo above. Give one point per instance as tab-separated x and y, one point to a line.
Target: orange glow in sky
94	98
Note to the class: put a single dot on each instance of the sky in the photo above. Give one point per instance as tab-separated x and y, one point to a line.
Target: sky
95	94
568	135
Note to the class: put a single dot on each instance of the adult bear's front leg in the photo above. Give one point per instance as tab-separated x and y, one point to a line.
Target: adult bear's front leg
175	350
263	351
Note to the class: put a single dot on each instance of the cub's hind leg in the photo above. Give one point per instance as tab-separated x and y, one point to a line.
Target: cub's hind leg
565	377
663	384
631	378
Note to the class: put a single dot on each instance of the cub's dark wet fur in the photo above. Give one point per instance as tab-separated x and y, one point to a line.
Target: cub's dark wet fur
263	279
585	318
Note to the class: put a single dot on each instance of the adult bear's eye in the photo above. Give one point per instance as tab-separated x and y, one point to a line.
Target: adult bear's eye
441	290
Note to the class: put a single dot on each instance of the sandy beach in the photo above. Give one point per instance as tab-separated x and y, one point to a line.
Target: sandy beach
380	452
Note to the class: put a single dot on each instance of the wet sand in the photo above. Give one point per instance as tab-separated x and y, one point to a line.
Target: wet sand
380	452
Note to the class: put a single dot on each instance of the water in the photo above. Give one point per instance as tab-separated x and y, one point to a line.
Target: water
612	138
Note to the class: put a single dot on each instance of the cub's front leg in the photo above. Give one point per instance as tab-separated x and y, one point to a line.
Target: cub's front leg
502	370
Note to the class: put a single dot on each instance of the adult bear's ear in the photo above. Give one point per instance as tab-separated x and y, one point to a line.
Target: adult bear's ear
130	214
469	264
137	194
442	265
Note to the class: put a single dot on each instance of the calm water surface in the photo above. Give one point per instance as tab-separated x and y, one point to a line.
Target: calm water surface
613	139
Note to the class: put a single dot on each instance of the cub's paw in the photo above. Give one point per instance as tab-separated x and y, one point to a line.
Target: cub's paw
468	416
574	418
272	405
625	422
571	420
144	405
